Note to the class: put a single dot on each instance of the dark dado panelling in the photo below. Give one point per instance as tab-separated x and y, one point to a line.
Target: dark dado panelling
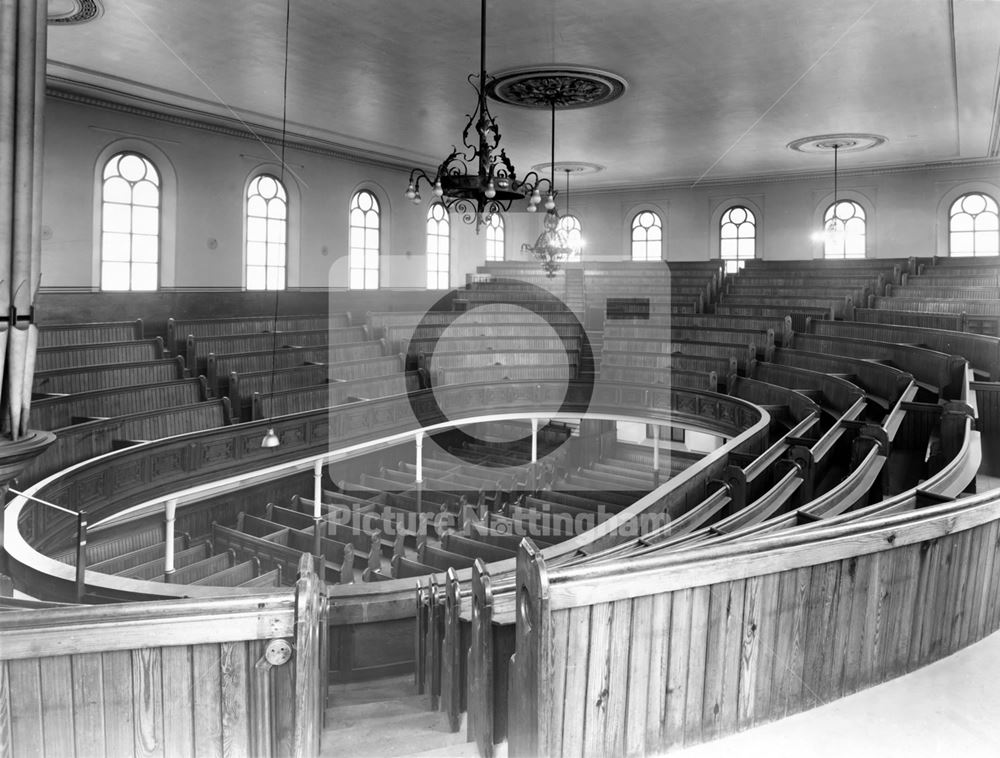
154	308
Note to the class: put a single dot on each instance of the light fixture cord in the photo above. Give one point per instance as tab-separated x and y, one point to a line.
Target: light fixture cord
281	174
836	150
552	165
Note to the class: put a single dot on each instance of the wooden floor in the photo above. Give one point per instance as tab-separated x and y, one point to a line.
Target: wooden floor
387	718
949	708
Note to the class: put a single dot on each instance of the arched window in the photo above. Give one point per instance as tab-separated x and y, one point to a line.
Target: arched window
130	223
845	237
737	237
266	233
365	241
495	238
647	236
438	247
574	234
973	227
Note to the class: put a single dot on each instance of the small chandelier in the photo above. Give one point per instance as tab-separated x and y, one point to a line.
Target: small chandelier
480	179
552	246
834	229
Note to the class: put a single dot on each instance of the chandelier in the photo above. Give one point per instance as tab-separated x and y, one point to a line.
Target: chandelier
552	246
479	180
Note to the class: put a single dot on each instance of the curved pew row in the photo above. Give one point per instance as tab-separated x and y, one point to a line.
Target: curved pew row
764	516
842	608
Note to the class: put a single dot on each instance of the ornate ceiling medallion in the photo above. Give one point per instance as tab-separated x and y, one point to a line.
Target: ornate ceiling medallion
562	86
844	143
64	12
572	167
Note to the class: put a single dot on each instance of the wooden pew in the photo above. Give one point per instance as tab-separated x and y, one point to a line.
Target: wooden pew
982	351
221	365
155	567
98	353
882	383
58	412
837	307
494	374
92	438
938	371
109	376
981	316
271	554
328	395
179	329
955	322
197	349
234	576
55	335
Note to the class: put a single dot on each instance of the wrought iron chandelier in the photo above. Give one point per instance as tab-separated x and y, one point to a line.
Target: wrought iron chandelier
479	180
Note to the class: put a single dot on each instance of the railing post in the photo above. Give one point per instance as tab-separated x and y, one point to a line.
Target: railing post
534	454
418	476
168	558
317	507
81	554
309	679
656	456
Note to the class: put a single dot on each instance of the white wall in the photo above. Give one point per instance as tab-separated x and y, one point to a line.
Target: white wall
211	170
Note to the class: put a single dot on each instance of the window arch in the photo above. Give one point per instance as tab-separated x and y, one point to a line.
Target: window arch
495	248
845	230
570	225
973	227
266	233
365	241
737	237
647	236
130	223
438	247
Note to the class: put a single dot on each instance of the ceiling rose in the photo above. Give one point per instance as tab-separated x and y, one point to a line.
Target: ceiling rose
74	11
562	86
846	142
572	167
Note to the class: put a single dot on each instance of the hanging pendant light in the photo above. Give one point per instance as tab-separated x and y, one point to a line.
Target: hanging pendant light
552	246
271	439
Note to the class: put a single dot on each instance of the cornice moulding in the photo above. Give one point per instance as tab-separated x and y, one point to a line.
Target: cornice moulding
66	90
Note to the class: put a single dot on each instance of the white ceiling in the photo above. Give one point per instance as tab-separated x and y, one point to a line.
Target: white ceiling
717	88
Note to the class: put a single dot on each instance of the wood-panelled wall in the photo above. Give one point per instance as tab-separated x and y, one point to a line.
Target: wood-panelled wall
633	670
169	678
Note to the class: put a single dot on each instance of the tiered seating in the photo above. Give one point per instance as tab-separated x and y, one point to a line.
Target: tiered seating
140	554
947	293
101	395
807	289
179	329
496	340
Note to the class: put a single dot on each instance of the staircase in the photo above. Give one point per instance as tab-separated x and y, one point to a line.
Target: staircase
385	718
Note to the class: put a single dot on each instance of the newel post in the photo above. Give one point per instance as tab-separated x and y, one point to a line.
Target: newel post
310	667
530	697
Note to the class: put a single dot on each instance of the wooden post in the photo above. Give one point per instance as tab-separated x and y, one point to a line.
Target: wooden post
168	558
530	710
534	454
309	613
481	670
317	508
452	653
418	475
656	456
81	554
